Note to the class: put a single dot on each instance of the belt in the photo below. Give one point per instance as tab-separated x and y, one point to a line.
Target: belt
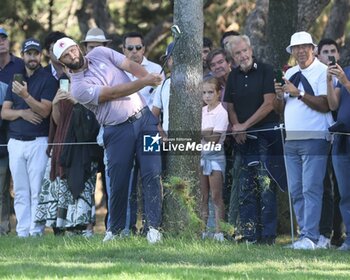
135	116
25	138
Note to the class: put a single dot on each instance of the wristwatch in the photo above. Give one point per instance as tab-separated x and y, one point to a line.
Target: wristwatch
301	94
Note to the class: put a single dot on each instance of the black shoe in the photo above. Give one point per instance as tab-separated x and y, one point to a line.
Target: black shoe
337	241
58	231
268	240
247	240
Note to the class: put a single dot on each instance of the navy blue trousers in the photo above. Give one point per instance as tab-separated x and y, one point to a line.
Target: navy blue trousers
123	143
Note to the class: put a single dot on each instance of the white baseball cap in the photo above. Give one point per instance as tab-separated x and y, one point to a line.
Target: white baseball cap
61	45
300	38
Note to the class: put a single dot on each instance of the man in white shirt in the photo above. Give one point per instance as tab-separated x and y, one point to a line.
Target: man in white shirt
307	118
134	49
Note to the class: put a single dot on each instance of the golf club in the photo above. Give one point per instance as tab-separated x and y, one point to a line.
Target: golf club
176	32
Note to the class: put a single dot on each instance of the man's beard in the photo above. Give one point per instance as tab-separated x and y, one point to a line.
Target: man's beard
76	65
31	66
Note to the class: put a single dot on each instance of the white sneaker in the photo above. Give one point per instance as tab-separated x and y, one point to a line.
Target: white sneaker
87	233
36	234
153	236
304	244
109	236
219	236
323	243
207	235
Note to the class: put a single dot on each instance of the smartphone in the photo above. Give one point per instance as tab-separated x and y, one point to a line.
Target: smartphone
64	84
332	61
18	78
278	76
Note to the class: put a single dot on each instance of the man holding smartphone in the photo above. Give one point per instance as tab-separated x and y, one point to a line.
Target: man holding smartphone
303	100
331	218
27	108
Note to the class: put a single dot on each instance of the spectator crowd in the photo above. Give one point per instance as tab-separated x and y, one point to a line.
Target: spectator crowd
89	109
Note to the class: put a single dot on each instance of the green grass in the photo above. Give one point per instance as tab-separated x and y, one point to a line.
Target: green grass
78	258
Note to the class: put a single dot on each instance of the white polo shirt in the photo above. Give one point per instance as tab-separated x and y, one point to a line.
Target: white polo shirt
161	101
151	67
301	121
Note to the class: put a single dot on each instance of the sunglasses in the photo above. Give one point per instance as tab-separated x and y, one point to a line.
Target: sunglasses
131	47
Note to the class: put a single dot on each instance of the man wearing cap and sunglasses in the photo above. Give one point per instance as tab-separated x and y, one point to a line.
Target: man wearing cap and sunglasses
100	83
9	64
307	117
27	107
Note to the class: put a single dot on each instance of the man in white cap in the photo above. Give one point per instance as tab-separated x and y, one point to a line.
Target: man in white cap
100	83
303	98
95	37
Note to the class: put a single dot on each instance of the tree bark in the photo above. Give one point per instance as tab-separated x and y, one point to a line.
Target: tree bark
308	12
269	28
338	18
94	13
185	99
282	22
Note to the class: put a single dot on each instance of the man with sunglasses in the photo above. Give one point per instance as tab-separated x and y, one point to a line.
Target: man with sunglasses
134	49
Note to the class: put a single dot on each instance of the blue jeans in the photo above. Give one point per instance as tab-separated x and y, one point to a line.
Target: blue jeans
341	164
257	194
122	143
306	162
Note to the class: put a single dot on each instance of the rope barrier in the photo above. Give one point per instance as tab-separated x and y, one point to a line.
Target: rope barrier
280	127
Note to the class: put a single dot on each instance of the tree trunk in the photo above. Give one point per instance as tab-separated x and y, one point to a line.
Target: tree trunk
185	106
272	23
185	99
282	21
94	13
338	18
256	28
308	12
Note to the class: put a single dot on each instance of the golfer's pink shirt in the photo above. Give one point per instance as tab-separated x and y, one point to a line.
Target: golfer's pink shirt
104	70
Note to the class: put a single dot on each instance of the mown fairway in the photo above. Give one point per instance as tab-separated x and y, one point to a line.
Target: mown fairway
133	258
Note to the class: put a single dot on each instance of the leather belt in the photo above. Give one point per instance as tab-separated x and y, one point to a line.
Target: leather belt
135	116
25	138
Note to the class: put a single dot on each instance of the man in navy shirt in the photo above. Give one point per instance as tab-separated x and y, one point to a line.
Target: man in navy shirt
27	107
9	64
339	99
249	95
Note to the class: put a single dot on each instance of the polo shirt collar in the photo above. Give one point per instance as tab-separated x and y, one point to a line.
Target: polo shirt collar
35	72
253	68
311	66
145	61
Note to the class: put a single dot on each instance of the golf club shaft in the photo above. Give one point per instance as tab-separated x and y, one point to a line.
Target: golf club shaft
165	61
